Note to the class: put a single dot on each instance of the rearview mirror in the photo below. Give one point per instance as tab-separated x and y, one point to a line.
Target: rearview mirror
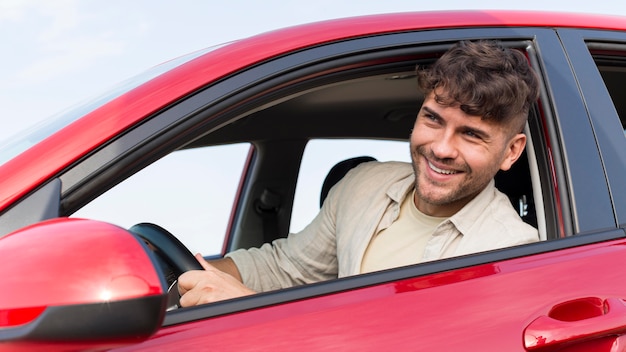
77	284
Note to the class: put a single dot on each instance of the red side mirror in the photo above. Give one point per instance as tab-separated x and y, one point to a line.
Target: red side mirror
73	283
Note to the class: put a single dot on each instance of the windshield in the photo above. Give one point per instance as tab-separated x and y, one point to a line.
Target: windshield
16	144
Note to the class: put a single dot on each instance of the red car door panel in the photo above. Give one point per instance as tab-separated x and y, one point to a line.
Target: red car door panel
491	307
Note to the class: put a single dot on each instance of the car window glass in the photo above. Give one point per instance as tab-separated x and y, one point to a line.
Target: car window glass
188	192
610	59
613	71
320	156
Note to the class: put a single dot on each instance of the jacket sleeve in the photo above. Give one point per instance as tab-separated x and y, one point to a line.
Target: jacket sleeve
344	224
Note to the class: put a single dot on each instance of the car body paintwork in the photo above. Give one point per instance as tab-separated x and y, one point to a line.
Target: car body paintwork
455	310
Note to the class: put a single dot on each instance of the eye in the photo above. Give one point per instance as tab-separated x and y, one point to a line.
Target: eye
473	134
431	117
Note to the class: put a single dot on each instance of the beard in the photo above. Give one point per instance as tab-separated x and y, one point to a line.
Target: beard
458	191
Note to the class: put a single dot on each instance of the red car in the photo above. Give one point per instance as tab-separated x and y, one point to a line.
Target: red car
244	118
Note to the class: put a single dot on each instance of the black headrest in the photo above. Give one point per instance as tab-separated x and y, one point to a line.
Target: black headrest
338	171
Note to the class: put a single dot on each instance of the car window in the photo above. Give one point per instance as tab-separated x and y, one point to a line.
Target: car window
320	156
610	59
188	192
613	71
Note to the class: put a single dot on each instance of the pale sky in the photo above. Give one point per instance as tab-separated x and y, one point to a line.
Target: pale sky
61	52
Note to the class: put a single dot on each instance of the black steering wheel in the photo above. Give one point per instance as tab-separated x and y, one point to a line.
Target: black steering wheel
175	255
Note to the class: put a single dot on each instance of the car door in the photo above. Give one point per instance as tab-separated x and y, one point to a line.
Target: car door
562	292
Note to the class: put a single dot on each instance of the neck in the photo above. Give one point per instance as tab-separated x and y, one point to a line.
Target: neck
440	210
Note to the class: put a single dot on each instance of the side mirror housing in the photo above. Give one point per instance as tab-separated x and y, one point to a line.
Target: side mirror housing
77	284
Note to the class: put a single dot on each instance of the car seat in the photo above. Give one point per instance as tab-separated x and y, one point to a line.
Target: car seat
338	171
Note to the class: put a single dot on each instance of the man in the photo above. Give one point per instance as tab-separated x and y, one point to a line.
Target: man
384	215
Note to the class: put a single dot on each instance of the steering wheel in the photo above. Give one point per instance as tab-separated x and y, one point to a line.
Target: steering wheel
175	255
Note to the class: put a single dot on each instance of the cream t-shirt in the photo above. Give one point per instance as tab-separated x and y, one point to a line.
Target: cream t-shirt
403	242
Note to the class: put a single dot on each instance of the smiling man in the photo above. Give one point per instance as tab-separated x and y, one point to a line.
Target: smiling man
385	215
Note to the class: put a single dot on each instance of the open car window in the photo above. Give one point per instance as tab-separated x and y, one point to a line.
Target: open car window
320	155
189	192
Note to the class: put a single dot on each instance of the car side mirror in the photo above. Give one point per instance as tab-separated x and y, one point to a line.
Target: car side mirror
77	284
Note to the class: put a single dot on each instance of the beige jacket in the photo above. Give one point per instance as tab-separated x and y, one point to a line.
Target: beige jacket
366	201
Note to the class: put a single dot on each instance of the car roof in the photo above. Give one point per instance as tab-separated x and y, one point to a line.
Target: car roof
90	131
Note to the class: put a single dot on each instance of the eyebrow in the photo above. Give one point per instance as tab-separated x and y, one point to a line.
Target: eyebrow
432	112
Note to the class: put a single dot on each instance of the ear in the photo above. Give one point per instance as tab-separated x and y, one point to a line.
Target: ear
514	149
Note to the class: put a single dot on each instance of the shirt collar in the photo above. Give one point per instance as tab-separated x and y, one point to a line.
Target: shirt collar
464	219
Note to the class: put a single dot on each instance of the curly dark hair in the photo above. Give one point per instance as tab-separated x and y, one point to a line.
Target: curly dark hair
484	79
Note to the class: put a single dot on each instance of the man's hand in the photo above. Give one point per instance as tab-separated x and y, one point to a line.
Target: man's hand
208	285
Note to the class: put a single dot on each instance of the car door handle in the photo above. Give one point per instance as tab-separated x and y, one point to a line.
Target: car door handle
576	321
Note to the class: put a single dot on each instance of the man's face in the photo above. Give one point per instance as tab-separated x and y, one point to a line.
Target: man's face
455	155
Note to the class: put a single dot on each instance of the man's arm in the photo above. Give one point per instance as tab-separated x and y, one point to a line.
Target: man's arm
228	266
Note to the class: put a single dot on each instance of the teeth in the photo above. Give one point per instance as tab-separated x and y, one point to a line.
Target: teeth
441	171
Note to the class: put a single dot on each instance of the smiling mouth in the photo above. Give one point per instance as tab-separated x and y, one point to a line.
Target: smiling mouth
441	171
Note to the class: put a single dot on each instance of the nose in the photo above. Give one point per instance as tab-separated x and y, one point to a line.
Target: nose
444	146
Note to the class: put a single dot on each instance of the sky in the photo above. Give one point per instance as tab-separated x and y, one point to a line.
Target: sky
59	53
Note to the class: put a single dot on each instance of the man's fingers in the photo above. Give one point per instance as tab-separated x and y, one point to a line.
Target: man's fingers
189	299
203	262
188	280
